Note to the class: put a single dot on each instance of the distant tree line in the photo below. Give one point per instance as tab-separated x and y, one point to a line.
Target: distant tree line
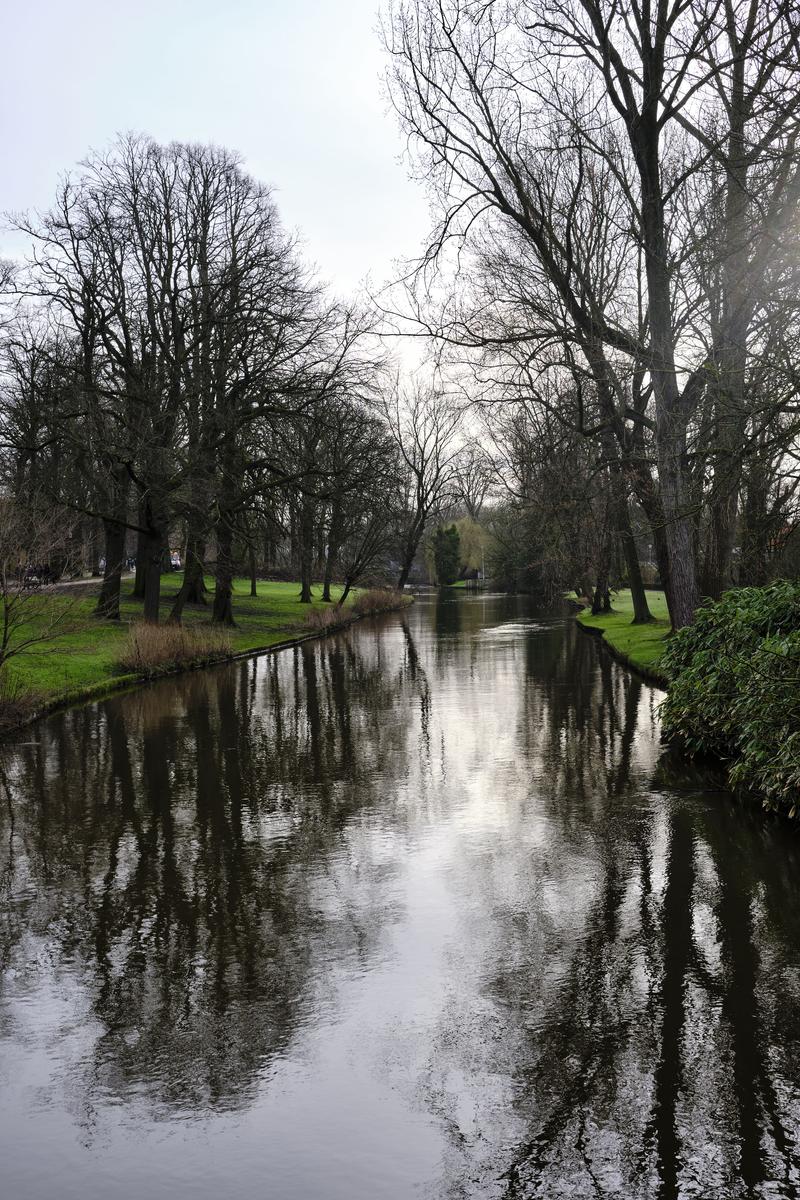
173	373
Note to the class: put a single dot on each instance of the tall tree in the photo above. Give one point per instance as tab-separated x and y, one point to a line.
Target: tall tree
516	110
422	422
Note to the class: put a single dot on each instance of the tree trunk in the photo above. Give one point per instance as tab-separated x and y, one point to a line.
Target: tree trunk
193	586
294	540
682	590
403	577
602	597
94	549
306	549
153	553
251	554
140	578
222	612
345	593
646	491
409	553
331	550
195	583
107	607
624	529
672	407
721	534
755	530
641	609
737	306
330	563
269	552
729	438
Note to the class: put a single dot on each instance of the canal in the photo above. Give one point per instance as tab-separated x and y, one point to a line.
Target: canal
420	910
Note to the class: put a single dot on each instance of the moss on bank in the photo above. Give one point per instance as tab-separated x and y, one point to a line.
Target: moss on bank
640	646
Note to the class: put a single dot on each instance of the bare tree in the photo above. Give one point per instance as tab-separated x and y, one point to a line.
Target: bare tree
423	422
472	477
518	111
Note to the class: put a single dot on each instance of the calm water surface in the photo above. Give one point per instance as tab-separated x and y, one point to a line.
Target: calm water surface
422	910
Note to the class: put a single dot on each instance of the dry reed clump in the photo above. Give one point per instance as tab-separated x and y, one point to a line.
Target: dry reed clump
154	648
17	704
378	600
320	619
369	603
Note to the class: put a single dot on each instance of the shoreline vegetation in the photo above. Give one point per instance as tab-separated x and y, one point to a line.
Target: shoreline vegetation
639	647
732	680
735	690
91	658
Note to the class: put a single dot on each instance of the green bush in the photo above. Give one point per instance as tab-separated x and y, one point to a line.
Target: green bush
769	708
735	689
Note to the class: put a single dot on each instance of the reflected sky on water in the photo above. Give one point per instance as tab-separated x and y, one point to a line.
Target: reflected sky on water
420	910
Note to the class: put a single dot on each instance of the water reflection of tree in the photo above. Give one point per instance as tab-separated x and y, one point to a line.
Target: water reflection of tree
184	856
579	722
171	849
663	1062
644	976
447	622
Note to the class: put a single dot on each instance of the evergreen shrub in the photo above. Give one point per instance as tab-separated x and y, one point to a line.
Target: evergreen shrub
735	689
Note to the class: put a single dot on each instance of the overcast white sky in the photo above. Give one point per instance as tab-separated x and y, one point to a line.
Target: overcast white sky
293	85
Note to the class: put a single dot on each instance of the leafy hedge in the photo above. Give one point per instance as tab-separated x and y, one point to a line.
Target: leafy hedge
735	689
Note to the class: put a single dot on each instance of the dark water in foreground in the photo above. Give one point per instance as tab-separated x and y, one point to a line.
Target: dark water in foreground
418	911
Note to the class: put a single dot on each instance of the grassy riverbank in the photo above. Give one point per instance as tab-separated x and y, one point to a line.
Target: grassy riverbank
85	659
639	645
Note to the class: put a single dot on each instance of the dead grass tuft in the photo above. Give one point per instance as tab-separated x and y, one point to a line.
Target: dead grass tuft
369	603
320	619
17	705
152	649
378	600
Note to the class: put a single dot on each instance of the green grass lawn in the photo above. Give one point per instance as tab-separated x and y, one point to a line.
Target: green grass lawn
83	659
641	644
